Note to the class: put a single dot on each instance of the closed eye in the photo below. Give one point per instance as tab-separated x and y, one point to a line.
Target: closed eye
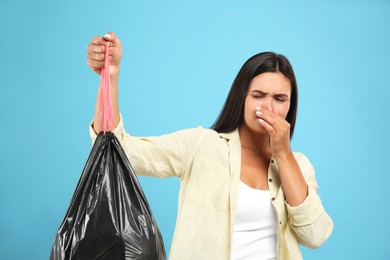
281	97
258	96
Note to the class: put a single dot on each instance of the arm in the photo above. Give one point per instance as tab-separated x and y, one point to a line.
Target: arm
95	60
307	217
162	156
293	183
309	220
158	156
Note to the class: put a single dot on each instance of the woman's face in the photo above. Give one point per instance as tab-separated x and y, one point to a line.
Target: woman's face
269	90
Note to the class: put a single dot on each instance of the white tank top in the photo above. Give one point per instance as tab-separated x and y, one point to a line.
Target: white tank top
254	235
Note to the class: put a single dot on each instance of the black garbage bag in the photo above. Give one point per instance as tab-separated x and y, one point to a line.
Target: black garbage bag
108	216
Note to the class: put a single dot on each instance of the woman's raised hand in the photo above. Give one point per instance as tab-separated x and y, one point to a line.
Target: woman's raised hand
278	129
96	51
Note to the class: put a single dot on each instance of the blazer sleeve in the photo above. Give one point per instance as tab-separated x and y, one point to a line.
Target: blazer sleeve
158	156
309	220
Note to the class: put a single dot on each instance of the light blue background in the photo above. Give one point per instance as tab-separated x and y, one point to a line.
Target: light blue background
179	60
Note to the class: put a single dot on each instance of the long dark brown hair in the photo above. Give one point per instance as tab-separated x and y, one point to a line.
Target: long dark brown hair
232	114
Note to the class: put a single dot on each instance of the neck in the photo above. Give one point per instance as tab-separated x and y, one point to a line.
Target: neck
259	143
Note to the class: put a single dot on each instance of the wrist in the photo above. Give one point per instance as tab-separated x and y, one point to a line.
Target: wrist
283	155
114	80
114	73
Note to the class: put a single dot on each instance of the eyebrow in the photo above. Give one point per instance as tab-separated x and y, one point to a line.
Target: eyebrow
265	93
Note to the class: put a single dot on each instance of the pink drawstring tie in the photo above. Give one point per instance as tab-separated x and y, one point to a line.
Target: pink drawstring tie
106	115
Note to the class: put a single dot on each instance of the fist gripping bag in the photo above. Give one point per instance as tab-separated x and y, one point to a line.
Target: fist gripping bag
108	216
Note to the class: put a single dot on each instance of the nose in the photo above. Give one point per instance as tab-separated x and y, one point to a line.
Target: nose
268	104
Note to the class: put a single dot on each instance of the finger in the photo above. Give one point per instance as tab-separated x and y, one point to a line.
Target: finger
96	57
269	128
266	115
93	58
273	116
95	64
97	52
97	61
98	71
277	122
93	48
111	37
98	40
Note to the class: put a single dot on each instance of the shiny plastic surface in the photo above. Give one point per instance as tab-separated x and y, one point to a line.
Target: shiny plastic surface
109	216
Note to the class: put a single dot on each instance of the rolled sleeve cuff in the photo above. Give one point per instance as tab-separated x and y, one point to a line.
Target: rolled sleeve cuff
119	130
307	212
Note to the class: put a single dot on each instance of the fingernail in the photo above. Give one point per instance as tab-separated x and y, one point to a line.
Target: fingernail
258	113
258	108
107	36
261	120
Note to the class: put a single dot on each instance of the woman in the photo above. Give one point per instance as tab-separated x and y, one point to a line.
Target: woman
243	193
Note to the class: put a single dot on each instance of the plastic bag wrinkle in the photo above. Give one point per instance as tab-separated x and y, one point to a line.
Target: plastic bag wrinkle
108	216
